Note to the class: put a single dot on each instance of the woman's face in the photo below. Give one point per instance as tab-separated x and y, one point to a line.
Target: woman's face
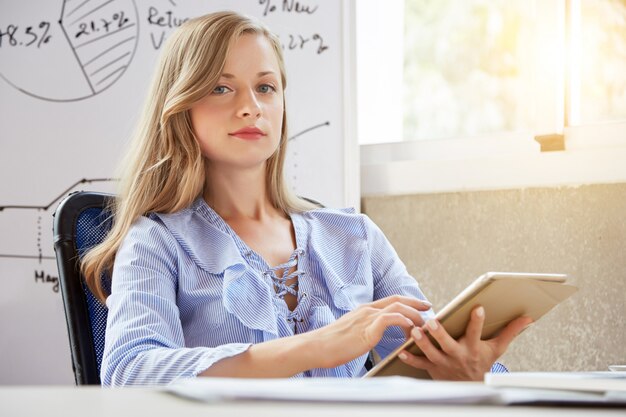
239	123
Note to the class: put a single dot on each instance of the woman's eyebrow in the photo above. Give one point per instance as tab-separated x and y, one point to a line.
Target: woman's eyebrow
259	74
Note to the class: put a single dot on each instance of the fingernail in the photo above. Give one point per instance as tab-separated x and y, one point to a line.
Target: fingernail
480	311
432	324
402	356
417	333
426	303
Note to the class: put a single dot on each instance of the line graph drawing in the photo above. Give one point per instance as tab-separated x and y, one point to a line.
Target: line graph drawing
295	154
85	48
327	123
40	209
59	197
43	208
36	257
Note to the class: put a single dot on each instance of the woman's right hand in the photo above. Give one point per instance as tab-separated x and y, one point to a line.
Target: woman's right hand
360	330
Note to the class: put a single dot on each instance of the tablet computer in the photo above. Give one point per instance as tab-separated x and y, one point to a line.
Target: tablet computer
504	295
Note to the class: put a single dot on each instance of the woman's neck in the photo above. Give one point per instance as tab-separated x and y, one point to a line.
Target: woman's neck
239	194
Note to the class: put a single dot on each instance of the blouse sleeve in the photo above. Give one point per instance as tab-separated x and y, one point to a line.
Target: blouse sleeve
390	278
144	342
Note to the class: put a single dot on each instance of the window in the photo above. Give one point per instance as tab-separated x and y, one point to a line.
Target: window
448	88
598	63
467	67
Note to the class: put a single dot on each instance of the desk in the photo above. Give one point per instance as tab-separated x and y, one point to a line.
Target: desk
68	401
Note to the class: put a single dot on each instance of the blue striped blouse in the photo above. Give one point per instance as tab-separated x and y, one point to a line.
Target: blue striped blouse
187	291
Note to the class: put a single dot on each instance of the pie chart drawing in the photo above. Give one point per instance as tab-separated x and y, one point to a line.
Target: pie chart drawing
66	50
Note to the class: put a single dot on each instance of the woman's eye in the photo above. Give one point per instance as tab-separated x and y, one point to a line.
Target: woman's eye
220	89
266	88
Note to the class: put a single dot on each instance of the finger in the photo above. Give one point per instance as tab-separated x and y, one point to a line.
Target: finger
408	311
421	305
506	336
446	342
382	321
429	350
474	329
419	362
374	331
407	333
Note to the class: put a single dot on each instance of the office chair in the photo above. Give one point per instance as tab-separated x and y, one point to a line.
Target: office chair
81	221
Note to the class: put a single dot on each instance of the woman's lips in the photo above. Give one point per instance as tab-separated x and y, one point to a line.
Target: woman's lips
248	133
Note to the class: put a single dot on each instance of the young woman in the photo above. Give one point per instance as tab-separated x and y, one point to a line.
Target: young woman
218	270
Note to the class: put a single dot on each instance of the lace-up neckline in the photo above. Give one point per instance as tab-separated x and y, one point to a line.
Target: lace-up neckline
256	261
280	283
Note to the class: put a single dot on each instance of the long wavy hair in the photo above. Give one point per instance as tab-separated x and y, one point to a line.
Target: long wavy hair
164	169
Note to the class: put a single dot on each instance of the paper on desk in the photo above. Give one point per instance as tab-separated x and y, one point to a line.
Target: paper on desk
576	381
536	396
596	388
383	389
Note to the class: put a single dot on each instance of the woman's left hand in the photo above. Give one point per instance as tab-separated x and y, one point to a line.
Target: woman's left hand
467	358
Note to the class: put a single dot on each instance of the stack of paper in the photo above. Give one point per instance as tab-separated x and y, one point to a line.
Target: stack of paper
575	381
560	387
384	389
406	390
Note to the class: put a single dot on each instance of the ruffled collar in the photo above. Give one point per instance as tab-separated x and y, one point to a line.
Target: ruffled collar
200	232
249	296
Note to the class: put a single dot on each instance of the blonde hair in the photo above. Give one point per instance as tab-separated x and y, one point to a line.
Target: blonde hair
164	170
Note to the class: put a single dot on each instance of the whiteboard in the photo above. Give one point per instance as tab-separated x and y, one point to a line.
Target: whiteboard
73	78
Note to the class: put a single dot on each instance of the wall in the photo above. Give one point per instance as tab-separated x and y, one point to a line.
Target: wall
448	239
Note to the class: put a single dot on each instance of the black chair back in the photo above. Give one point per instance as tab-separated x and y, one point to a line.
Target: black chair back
81	221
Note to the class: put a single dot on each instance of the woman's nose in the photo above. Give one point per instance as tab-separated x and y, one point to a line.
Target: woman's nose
249	105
